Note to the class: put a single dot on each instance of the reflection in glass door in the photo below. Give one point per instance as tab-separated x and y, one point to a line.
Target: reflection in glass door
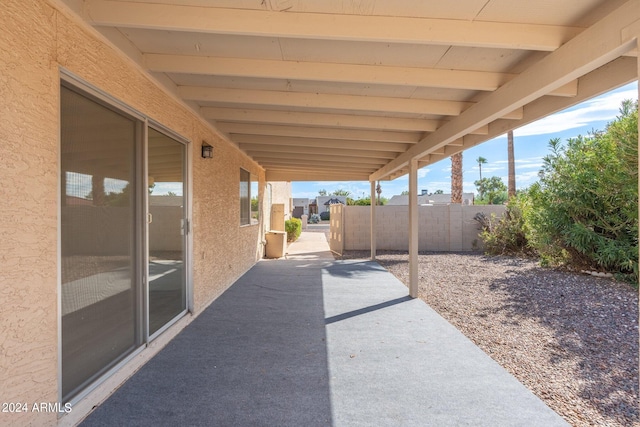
166	275
100	309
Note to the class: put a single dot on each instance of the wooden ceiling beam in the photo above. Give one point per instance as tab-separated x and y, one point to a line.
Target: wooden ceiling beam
327	101
274	98
261	156
335	73
317	132
338	144
383	29
279	174
278	149
304	164
349	121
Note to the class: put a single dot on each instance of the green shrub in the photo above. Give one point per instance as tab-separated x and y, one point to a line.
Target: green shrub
583	212
325	216
507	235
587	198
314	219
293	227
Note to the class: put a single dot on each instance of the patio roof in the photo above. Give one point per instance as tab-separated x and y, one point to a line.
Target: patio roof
344	90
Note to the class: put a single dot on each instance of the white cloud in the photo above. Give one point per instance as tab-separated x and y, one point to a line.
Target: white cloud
527	178
423	172
604	108
488	169
528	163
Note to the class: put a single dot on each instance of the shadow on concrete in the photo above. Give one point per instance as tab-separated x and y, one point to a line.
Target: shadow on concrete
366	310
354	268
256	357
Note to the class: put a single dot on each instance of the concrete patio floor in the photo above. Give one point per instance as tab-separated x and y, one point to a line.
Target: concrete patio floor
309	341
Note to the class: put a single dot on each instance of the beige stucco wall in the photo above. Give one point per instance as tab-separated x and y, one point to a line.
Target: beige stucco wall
36	38
441	228
281	193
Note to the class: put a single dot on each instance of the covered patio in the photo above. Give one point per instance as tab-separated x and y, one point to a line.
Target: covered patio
228	100
316	342
372	90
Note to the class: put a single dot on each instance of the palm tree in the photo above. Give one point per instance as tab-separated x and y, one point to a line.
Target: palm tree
512	166
456	178
481	161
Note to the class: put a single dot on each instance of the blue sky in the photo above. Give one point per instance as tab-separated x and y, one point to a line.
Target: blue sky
530	146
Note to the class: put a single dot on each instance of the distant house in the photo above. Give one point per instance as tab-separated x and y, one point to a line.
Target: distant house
430	199
300	207
323	202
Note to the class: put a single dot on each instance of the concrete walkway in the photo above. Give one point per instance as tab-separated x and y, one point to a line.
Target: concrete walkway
308	341
311	245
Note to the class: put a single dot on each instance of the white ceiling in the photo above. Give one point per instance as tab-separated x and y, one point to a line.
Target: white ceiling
355	89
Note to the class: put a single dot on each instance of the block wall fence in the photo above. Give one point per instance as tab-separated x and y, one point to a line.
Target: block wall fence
441	228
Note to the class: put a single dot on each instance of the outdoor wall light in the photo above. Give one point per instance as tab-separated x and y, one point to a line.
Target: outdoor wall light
207	151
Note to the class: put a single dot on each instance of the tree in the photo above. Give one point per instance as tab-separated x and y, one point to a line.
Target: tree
438	192
456	178
341	192
492	189
366	201
481	161
322	192
405	193
512	166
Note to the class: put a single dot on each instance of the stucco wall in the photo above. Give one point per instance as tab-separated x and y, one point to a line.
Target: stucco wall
281	193
36	38
441	228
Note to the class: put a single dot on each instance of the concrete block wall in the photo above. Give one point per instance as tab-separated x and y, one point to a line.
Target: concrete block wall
441	228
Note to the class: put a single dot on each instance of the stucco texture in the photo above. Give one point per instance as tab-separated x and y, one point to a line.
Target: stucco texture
36	39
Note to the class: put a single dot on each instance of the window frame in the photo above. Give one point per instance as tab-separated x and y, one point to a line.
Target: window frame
245	197
246	187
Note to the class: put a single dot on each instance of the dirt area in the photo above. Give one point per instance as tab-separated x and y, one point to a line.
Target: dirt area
572	339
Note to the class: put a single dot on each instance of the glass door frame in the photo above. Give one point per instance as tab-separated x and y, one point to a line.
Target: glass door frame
141	227
186	237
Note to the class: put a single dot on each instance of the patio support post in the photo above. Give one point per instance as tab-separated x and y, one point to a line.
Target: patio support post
413	228
373	220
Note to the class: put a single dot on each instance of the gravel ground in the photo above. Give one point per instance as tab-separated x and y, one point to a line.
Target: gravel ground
572	339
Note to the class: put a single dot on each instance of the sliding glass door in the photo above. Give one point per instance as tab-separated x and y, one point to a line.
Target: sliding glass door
99	250
123	237
167	221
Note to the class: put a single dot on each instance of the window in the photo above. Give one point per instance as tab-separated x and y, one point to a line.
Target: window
249	204
255	201
245	197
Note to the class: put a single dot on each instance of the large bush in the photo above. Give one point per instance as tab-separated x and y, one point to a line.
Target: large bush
293	227
325	216
584	209
587	198
507	235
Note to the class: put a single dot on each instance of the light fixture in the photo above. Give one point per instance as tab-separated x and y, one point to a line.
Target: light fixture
207	151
